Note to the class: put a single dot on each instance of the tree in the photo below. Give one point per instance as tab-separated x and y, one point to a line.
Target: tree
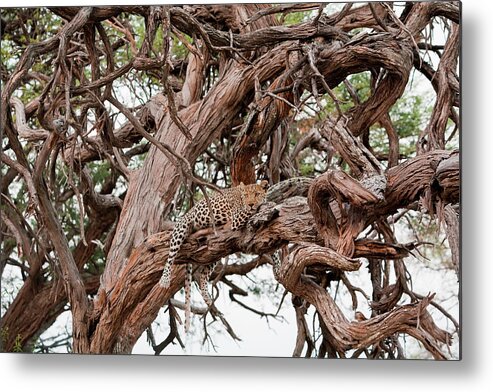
116	119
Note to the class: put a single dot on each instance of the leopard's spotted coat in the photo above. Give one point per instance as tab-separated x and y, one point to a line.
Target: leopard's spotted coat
234	205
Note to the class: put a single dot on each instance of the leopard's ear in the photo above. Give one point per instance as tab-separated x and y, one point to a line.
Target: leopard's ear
264	184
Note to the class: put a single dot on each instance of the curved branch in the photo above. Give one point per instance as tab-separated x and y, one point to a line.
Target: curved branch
23	129
344	335
303	256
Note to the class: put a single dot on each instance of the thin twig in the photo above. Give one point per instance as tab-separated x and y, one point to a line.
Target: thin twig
377	17
311	61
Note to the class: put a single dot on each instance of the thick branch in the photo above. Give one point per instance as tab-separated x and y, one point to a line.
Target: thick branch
344	335
273	226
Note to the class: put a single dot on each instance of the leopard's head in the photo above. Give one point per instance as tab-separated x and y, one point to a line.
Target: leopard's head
254	194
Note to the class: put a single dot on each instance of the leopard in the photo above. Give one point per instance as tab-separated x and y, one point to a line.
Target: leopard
232	206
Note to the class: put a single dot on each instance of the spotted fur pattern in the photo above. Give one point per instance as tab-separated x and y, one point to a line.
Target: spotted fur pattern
203	283
276	259
234	205
188	294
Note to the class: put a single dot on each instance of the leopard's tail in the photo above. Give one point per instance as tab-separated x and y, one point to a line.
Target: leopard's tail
188	296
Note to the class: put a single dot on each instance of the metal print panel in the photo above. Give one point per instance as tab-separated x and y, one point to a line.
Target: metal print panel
276	180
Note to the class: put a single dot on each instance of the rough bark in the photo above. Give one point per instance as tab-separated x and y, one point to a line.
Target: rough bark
292	221
231	105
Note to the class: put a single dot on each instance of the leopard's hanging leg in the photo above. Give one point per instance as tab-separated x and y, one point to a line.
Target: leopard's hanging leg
204	283
178	236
